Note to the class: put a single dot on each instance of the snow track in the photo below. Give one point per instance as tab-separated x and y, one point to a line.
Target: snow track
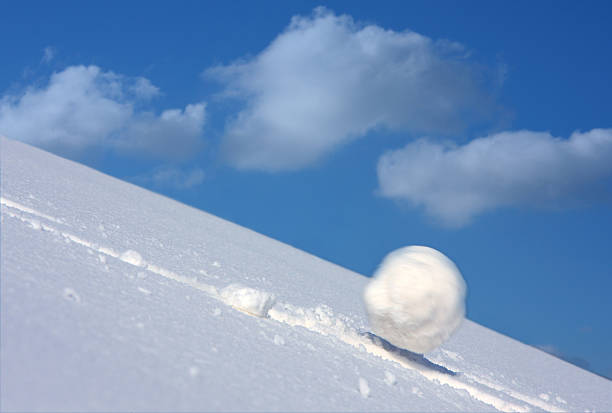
320	320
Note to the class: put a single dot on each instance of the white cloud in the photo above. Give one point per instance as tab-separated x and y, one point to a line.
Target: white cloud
172	177
327	80
523	168
84	106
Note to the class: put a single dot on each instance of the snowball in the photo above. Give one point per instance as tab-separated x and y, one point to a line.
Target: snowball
249	300
416	299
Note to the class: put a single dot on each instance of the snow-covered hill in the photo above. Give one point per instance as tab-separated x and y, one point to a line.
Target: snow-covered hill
115	298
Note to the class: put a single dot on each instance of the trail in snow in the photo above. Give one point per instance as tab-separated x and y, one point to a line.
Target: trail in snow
320	320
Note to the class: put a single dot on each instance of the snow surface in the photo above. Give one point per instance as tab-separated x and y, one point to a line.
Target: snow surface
112	299
416	299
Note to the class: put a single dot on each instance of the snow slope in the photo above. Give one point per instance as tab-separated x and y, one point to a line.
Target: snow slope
115	298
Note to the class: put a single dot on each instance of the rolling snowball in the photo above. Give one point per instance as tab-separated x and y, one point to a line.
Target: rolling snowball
416	299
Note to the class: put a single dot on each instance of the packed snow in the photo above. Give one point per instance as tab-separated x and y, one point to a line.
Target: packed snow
416	299
103	308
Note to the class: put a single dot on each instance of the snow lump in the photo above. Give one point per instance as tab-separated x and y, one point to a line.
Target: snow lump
249	300
416	299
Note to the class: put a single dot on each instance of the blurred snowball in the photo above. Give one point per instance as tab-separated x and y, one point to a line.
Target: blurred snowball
416	299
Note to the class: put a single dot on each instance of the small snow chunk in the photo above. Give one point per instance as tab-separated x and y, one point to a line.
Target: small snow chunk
249	300
364	388
144	291
416	299
35	224
71	295
390	378
560	400
102	258
216	264
132	257
544	396
141	275
278	340
101	228
140	325
217	312
417	391
194	371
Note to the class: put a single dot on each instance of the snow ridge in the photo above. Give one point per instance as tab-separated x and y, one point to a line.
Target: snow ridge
321	320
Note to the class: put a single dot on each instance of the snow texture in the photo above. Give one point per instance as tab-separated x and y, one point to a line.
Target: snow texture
416	299
83	330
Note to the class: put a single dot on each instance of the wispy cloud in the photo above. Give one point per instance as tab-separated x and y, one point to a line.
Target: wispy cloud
48	54
171	177
327	80
522	168
83	107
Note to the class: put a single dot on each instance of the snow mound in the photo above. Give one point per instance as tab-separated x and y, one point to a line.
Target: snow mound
249	300
416	299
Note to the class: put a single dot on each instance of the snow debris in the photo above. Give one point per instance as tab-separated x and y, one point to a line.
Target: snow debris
320	319
390	378
417	391
144	291
71	295
364	388
216	264
35	224
544	396
248	300
560	400
416	299
132	257
217	312
278	340
452	355
141	275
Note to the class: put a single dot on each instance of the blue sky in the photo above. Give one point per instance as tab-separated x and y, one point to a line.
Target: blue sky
481	129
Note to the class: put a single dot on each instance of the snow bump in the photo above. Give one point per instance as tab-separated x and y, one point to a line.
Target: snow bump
132	257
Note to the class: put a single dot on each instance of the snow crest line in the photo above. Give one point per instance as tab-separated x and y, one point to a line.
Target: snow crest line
320	320
23	208
129	256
